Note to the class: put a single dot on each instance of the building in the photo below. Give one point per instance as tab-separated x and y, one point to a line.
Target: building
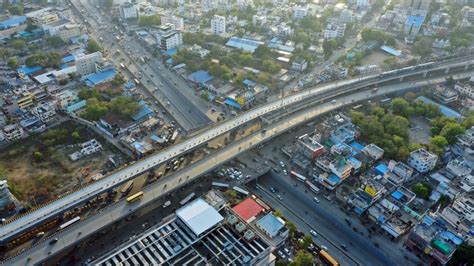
218	25
6	197
168	37
367	69
445	95
400	169
246	45
259	20
413	25
417	4
86	64
248	210
467	13
12	22
44	111
341	168
310	147
465	89
196	235
300	12
87	148
422	160
13	132
299	64
178	22
128	11
198	50
272	226
66	32
43	16
373	151
334	30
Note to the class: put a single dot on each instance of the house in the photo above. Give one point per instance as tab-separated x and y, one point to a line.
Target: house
13	132
400	169
299	64
272	226
422	160
44	111
87	148
310	147
334	30
373	151
113	125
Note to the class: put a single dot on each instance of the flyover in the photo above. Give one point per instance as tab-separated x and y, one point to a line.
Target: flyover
74	234
20	224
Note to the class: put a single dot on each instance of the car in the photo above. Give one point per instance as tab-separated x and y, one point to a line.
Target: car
313	233
343	246
273	190
53	241
315	199
287	251
285	172
279	197
323	247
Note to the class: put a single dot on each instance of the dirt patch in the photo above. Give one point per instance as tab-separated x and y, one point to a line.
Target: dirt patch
375	58
38	168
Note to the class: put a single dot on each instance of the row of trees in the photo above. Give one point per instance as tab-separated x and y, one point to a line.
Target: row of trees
153	20
97	108
51	59
377	35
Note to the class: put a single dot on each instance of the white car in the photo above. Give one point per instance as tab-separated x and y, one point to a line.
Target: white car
315	199
313	233
323	247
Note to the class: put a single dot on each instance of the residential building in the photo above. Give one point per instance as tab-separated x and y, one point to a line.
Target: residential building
208	5
467	13
259	20
465	89
86	64
299	64
66	32
168	37
300	12
413	25
44	111
417	4
422	160
13	132
65	98
24	100
87	148
460	215
445	95
198	50
334	30
178	22
310	147
128	11
218	25
272	226
43	16
341	168
400	169
367	69
373	151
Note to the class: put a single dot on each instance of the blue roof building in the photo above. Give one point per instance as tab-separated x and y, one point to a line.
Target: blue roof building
143	113
381	168
12	22
101	77
446	111
28	70
413	24
246	45
68	58
271	225
390	50
76	106
200	76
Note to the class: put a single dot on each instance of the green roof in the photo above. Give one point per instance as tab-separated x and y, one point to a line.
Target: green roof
441	246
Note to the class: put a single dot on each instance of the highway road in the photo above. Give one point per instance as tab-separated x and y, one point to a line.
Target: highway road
57	207
121	209
182	107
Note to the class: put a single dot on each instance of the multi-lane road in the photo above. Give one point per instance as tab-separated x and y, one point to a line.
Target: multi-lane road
56	208
155	190
172	92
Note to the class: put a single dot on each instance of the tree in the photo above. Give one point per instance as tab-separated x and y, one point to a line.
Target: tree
93	46
451	130
16	9
410	96
12	63
438	144
18	44
38	156
55	41
329	46
450	81
124	106
263	51
464	255
4	53
270	66
396	125
469	120
422	47
291	228
401	107
422	190
118	80
75	136
153	20
307	240
438	124
86	93
303	258
95	109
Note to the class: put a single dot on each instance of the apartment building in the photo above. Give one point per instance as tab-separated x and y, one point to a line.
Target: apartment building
178	22
86	64
168	37
218	25
422	160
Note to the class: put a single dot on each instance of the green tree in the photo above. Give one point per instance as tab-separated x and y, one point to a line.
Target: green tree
438	144
93	46
450	81
124	106
38	156
422	47
303	258
422	190
118	80
329	46
291	228
55	41
87	93
12	63
4	53
396	125
95	109
152	20
401	107
464	255
451	130
75	136
16	9
18	44
469	120
270	66
438	124
307	240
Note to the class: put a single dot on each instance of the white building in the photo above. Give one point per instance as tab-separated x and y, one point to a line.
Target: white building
128	11
87	148
198	50
13	132
334	30
44	111
465	89
259	20
168	38
65	98
218	25
66	32
208	5
467	12
299	12
178	22
373	151
422	160
85	64
5	195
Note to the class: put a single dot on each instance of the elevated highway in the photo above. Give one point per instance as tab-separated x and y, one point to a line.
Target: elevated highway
74	234
15	227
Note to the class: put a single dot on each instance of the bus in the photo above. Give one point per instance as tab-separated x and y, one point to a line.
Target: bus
127	187
122	65
222	185
70	222
241	191
327	258
188	198
298	176
385	101
174	136
312	187
135	197
137	82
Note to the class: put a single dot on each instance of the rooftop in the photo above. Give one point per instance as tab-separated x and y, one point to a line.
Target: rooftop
199	216
446	111
248	209
244	44
271	224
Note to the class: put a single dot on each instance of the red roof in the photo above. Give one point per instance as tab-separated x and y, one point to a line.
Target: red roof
248	209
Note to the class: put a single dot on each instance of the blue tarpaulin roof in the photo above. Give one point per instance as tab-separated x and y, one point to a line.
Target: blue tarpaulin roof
415	20
28	70
357	146
232	103
12	22
200	76
334	179
271	224
381	168
249	83
170	52
397	195
68	58
450	236
356	163
97	78
244	44
448	112
143	112
391	50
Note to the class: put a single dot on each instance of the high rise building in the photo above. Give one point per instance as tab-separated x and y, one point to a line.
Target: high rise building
218	25
168	37
85	64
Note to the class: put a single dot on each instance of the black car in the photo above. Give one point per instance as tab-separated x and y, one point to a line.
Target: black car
52	242
343	246
273	190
